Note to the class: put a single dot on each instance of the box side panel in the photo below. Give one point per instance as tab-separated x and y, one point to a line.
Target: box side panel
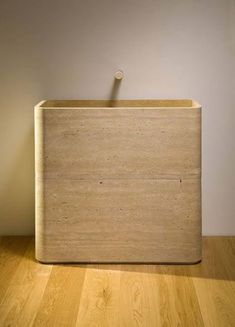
40	226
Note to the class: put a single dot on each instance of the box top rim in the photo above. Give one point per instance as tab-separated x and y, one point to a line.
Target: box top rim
119	104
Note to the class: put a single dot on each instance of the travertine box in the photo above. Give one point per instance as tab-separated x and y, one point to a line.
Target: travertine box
118	181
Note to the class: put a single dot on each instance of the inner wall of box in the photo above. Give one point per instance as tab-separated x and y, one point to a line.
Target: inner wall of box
182	103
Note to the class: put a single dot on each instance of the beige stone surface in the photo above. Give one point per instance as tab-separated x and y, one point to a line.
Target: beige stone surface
118	181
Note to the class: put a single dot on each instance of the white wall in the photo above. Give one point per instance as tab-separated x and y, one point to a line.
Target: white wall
71	49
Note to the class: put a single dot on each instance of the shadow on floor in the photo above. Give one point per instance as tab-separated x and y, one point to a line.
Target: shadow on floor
218	260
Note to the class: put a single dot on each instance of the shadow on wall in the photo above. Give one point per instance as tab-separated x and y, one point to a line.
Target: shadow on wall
17	196
17	190
115	89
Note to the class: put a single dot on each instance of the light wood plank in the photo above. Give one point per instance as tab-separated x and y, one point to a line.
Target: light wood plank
180	304
12	250
214	281
25	291
100	298
158	296
61	298
139	301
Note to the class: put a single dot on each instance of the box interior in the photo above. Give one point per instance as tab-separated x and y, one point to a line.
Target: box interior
176	103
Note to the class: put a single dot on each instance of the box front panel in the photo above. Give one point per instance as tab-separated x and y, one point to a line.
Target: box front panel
119	185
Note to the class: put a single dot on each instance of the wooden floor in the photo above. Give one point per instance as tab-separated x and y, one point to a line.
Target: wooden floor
33	294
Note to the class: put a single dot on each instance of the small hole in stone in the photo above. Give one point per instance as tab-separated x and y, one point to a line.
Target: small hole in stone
101	182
